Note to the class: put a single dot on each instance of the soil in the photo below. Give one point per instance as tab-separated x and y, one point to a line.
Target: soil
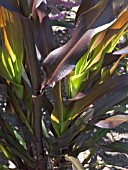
107	160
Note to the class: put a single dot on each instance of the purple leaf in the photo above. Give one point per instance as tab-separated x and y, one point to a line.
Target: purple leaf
61	61
11	5
112	122
85	6
122	51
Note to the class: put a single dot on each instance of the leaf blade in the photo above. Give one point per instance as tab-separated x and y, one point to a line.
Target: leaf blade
64	59
112	121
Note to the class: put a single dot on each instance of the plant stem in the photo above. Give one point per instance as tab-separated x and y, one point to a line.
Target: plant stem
35	81
31	55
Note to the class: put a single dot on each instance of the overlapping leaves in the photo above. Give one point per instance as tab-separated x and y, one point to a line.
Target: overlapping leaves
63	59
85	6
11	50
43	36
94	61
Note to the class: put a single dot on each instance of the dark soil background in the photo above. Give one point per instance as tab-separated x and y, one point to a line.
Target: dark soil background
102	160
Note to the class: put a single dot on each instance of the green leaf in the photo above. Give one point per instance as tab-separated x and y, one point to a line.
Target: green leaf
4	167
91	142
18	110
75	162
17	149
6	152
109	86
110	71
65	140
59	112
116	147
64	59
11	51
103	42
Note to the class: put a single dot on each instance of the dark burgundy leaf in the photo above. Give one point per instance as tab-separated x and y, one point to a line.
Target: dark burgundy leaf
109	59
30	4
112	87
79	96
39	7
112	121
11	5
43	37
85	6
64	59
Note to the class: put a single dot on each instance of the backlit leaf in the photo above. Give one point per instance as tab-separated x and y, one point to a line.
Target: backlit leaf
85	6
112	121
122	51
11	51
64	59
43	35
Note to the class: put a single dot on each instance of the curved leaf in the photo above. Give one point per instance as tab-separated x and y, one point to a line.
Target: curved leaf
58	114
64	59
112	121
85	6
39	7
122	51
112	85
75	162
11	51
43	35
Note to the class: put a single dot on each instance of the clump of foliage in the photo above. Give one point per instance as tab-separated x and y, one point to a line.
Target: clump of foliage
86	63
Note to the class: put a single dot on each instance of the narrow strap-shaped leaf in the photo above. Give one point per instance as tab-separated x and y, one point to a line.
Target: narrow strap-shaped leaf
91	142
85	6
11	5
107	102
43	37
11	52
112	85
112	121
64	59
116	147
59	112
76	163
69	135
122	51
